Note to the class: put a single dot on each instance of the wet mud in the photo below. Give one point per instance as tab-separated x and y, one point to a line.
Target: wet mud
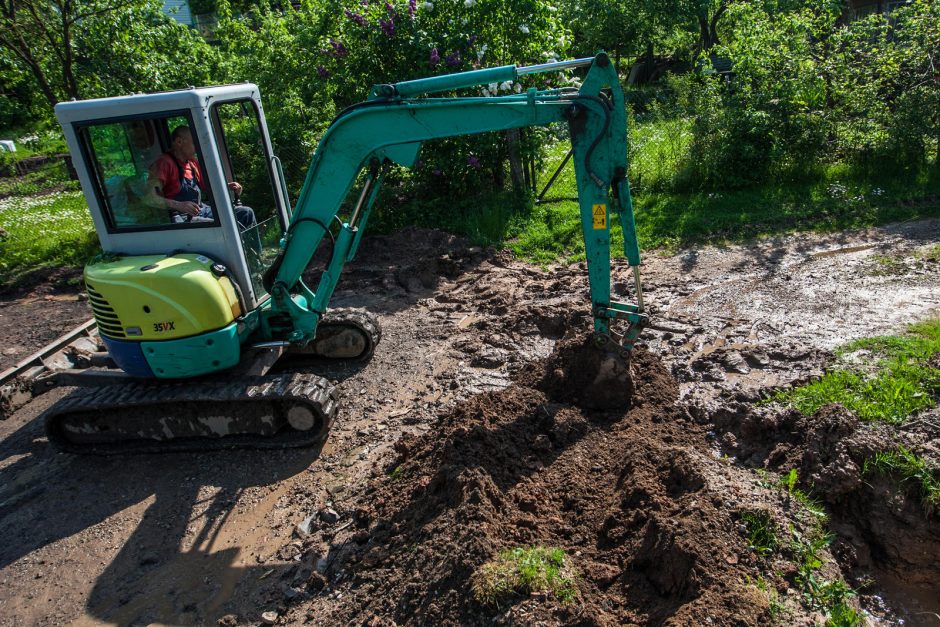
480	425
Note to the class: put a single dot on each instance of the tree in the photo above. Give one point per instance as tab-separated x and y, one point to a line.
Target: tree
76	49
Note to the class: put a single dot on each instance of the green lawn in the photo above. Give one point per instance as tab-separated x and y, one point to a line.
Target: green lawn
42	231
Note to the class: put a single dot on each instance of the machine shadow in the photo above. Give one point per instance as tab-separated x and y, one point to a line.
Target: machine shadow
175	567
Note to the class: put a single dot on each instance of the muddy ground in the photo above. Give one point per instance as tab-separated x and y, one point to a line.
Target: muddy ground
464	436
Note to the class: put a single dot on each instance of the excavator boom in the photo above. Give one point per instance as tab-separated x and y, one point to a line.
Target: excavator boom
391	126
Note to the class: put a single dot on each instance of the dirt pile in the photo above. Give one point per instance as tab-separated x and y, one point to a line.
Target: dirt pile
589	376
622	492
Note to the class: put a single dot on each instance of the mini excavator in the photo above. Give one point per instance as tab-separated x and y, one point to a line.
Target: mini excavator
194	312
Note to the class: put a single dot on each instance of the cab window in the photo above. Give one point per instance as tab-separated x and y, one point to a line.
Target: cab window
121	157
245	159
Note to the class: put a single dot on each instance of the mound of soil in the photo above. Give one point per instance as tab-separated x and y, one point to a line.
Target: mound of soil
589	376
623	492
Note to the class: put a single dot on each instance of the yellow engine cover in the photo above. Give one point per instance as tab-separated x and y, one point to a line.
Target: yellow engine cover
155	297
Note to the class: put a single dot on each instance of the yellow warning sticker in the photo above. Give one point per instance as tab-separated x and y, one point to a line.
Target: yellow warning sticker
600	216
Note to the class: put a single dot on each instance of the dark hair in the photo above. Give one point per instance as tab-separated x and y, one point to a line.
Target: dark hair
179	130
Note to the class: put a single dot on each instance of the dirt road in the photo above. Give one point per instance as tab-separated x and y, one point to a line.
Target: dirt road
457	440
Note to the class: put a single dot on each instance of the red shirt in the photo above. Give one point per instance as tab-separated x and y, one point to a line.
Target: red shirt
166	170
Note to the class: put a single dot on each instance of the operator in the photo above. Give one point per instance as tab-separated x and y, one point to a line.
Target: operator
176	178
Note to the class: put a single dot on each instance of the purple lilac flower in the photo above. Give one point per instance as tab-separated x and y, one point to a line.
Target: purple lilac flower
412	7
389	8
472	40
474	162
323	72
339	49
453	58
435	57
418	164
356	17
388	26
437	172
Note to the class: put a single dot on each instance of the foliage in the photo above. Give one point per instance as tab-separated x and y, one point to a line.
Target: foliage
523	571
277	51
912	471
828	595
99	48
338	50
761	532
807	89
900	385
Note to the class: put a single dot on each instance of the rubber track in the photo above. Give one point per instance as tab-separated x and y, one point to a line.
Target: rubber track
356	318
281	391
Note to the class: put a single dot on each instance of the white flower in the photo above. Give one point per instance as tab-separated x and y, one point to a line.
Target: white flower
505	86
517	88
463	21
427	6
486	92
469	3
492	87
523	29
551	8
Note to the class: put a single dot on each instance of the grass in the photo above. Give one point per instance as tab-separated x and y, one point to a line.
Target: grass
830	596
893	383
44	231
912	472
761	532
839	199
523	571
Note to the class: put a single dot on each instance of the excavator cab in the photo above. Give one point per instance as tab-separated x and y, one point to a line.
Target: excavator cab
117	142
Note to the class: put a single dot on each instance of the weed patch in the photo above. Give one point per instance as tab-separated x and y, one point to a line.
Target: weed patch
774	607
523	571
912	472
761	532
830	596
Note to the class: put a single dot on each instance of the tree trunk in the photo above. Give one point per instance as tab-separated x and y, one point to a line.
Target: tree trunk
516	172
648	63
22	51
71	85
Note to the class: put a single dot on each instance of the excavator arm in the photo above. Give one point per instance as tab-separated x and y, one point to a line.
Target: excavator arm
391	126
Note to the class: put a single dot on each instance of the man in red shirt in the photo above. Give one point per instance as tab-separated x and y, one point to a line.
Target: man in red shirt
176	178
